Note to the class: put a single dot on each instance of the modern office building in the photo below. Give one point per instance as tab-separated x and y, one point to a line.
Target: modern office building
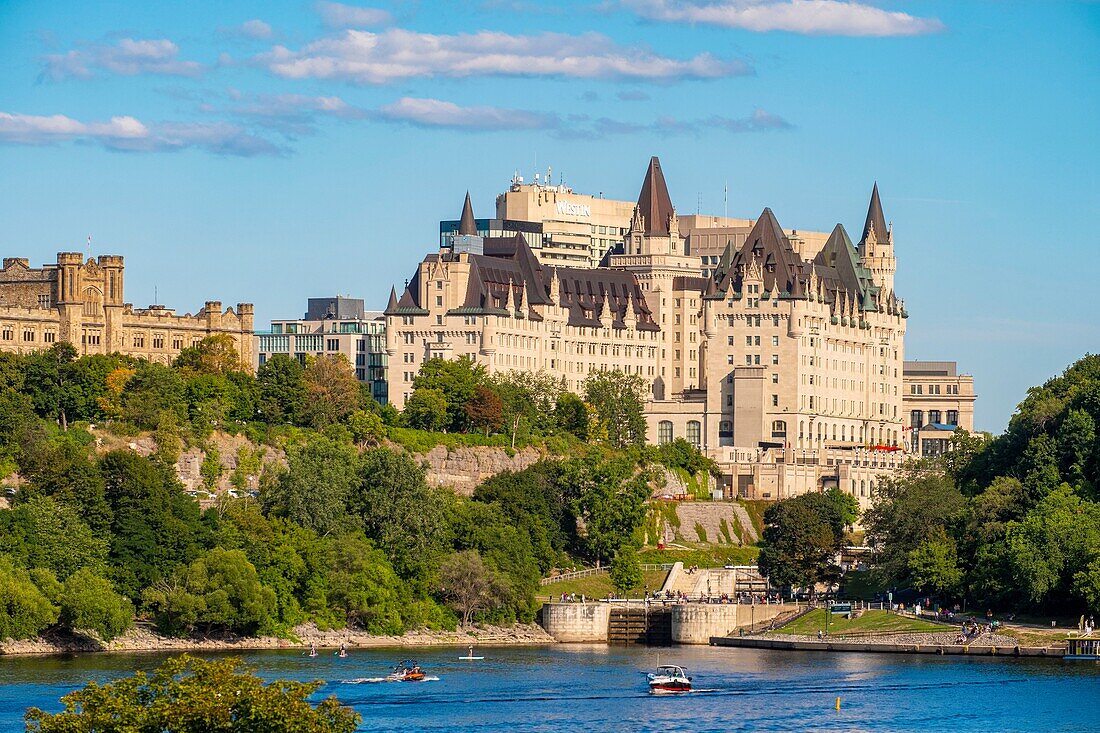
82	303
937	401
336	325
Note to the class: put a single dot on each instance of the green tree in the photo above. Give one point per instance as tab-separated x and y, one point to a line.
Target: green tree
571	415
212	467
610	502
89	603
366	427
426	409
313	492
399	511
49	534
282	392
215	354
362	585
458	380
626	573
801	538
153	390
46	381
934	564
190	695
470	587
618	401
167	437
24	611
332	391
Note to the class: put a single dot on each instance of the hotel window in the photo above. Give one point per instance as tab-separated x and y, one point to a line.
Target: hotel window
725	429
779	429
775	358
775	341
664	432
775	400
694	432
933	416
952	417
775	378
916	419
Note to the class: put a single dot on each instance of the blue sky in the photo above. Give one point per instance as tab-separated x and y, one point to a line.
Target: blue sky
272	151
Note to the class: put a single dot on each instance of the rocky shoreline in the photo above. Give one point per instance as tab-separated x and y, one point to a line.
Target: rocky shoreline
143	638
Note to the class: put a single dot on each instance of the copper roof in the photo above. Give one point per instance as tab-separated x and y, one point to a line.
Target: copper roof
466	223
654	203
875	218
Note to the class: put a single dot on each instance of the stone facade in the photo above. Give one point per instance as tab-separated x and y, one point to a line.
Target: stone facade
81	302
937	400
781	357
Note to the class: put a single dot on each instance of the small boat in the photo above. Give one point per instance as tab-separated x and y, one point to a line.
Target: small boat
669	678
470	656
407	671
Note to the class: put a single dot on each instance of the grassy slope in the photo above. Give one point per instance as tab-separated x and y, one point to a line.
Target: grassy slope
599	586
870	621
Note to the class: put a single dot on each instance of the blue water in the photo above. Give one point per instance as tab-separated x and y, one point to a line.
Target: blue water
599	688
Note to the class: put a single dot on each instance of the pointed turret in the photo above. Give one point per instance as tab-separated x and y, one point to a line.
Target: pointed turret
654	203
876	221
391	306
466	224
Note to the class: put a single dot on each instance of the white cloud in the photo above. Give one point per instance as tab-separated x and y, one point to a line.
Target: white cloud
338	15
397	54
811	17
130	134
438	113
255	29
127	57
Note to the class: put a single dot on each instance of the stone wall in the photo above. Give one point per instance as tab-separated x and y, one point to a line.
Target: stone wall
576	622
696	623
462	469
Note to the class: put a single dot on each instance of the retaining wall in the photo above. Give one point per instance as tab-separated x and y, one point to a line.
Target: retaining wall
842	646
576	622
697	623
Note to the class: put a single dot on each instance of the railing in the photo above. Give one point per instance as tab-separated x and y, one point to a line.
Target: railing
654	567
573	574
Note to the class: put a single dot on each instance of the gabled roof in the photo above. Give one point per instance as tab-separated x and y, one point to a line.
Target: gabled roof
466	223
840	269
773	252
654	203
875	218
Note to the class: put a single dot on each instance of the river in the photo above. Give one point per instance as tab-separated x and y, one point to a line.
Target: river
560	688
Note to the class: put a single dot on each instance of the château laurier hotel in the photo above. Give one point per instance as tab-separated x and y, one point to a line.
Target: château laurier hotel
780	355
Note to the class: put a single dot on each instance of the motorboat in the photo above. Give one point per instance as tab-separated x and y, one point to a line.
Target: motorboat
669	678
407	671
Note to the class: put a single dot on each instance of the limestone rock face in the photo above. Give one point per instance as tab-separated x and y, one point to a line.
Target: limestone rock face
462	469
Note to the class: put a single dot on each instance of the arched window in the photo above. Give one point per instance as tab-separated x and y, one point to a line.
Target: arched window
93	300
725	429
843	432
863	488
664	432
694	432
779	429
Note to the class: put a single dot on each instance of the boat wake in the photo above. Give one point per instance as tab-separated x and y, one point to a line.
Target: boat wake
374	680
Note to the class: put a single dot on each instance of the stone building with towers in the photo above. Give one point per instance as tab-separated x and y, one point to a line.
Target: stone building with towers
780	358
82	303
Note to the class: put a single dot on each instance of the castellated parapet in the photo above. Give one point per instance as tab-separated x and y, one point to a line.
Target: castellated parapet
82	302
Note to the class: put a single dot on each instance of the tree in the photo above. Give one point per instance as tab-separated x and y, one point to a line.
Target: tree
153	390
527	399
801	538
190	695
610	502
24	611
571	415
89	603
399	512
46	377
366	427
221	590
626	573
313	492
362	585
469	586
45	533
215	354
934	564
282	391
458	380
485	411
427	409
332	391
617	399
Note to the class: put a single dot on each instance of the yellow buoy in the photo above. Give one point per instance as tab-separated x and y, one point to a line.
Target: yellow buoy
838	703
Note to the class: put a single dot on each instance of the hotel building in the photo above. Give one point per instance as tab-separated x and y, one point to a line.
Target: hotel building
781	359
937	400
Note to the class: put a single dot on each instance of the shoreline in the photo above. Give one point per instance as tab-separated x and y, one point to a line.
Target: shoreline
915	643
142	639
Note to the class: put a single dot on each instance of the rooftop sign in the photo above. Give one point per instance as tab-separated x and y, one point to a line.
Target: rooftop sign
571	209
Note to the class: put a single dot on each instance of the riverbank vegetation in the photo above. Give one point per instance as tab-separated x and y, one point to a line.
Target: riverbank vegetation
347	533
1011	523
867	622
